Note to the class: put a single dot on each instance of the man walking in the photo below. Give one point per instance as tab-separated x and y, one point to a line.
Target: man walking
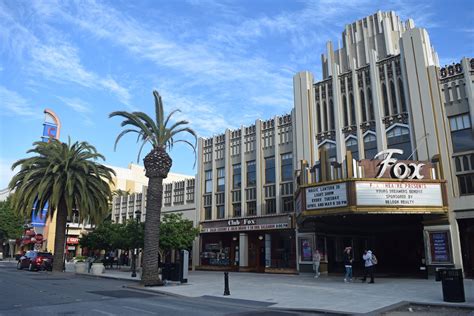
369	266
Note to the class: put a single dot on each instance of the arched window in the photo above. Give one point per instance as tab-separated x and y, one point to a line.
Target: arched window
351	145
394	98
318	117
325	117
370	146
331	115
362	106
402	95
385	100
331	150
399	137
353	112
344	109
371	105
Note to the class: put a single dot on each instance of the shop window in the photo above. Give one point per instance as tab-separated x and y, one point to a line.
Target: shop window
251	208
370	146
399	138
237	209
270	206
466	183
207	213
208	181
220	211
351	144
237	176
305	249
269	170
287	203
287	167
462	134
251	174
220	179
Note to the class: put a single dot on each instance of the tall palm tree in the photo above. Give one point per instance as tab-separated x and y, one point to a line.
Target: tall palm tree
160	133
68	178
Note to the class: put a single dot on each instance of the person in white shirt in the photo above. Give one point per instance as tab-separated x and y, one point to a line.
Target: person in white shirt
369	266
316	262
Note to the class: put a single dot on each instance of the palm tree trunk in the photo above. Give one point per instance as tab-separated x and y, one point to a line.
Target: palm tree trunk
150	276
59	239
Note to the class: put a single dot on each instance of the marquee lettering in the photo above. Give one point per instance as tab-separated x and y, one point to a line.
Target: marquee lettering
398	170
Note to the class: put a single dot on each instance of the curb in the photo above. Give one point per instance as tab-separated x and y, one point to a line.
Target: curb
105	276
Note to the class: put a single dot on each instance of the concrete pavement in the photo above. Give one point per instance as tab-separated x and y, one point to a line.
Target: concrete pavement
303	292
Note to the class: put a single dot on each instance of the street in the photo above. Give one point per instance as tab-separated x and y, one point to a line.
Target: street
45	293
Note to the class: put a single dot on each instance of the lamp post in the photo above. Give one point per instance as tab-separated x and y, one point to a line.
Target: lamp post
65	244
134	257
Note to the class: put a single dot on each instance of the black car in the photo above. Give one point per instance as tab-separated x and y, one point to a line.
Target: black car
34	260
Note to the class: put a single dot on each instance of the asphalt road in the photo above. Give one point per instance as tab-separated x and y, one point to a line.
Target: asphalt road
45	293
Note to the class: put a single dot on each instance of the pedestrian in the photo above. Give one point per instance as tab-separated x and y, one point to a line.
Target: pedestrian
348	259
369	266
316	262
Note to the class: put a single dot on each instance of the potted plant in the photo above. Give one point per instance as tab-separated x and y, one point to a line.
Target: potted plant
98	267
80	265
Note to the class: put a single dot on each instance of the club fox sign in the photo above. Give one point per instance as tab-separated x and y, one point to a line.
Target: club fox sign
399	170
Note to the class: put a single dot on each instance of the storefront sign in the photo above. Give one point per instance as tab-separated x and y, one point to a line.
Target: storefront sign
399	170
245	228
326	196
72	240
398	194
238	222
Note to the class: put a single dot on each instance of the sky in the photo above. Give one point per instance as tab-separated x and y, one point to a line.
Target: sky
222	63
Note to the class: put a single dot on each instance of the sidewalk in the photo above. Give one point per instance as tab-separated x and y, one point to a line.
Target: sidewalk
303	292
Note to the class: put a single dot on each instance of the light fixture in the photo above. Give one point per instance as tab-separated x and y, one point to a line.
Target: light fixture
260	237
234	238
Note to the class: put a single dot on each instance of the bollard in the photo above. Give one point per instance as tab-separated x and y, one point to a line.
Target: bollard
226	284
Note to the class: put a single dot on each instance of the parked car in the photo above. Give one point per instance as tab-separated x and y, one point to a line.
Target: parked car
34	260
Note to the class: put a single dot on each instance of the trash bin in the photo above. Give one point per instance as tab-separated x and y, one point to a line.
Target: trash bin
171	272
453	285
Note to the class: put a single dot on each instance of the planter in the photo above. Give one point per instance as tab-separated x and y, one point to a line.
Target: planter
97	268
69	266
80	267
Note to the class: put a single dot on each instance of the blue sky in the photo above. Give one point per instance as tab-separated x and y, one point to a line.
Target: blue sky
223	63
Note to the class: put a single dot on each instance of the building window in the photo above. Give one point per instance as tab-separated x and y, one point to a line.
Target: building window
207	213
220	179
251	208
269	170
326	115
461	133
371	105
466	183
402	95
385	100
351	144
370	146
237	176
220	211
331	150
287	203
362	106
208	179
251	174
344	109
270	206
318	117
287	167
237	209
394	97
399	138
331	115
353	112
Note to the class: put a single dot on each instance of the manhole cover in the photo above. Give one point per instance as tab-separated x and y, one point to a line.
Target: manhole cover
121	294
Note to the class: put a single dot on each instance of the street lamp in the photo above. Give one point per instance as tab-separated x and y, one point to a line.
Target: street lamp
65	243
134	257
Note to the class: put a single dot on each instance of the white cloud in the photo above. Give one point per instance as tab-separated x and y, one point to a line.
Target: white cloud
12	104
6	173
76	104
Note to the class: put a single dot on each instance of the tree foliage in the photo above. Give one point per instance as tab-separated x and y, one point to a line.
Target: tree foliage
176	232
11	223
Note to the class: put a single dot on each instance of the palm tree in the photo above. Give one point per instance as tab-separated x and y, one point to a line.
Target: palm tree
157	165
68	178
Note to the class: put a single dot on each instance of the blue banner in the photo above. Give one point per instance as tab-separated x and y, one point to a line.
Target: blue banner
40	219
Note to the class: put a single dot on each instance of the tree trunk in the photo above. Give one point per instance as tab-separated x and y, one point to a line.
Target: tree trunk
59	239
150	276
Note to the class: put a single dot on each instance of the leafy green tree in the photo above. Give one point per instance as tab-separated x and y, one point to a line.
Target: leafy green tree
11	223
68	178
176	232
161	134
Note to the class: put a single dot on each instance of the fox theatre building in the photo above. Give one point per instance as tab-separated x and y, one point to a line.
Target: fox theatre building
397	209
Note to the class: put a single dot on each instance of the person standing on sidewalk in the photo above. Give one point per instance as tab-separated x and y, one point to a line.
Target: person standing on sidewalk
316	262
348	264
369	266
